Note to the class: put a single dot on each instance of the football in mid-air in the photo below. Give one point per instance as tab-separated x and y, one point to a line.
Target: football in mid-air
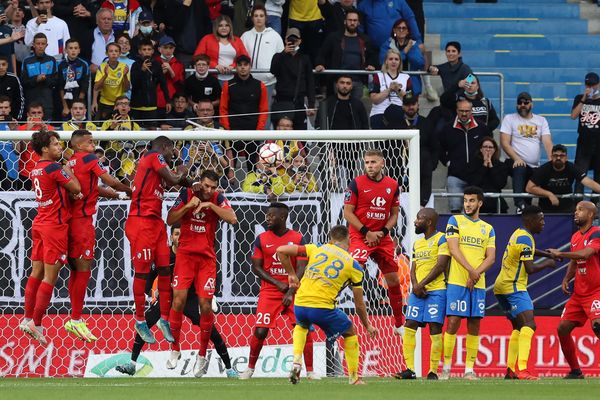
271	155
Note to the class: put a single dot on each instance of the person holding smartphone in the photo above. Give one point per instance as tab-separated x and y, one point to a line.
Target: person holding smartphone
55	29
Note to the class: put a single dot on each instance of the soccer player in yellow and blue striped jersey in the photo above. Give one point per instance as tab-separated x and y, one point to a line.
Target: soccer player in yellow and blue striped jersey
510	289
427	302
472	245
330	269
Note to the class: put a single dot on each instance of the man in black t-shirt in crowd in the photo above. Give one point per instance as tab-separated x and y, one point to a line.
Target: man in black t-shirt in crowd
557	177
586	108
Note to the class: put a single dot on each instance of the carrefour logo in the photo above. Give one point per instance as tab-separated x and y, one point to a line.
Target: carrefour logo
378	201
103	367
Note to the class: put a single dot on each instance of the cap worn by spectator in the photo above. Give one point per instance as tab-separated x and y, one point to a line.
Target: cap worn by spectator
524	96
166	40
410	98
592	79
243	59
293	32
145	16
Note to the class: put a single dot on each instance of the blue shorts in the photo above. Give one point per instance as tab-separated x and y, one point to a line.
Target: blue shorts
462	302
333	322
515	303
430	309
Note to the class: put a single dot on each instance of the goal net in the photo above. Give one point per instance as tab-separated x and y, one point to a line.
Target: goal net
317	168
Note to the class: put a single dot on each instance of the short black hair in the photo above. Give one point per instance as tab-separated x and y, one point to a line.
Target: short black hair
530	211
35	104
178	95
279	205
338	233
40	35
41	139
162	141
3	57
474	190
209	174
4	98
337	78
80	133
145	42
72	40
453	44
559	147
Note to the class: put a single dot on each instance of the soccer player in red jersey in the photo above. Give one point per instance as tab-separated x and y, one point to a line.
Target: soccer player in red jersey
51	184
275	297
82	233
584	303
147	233
371	206
199	211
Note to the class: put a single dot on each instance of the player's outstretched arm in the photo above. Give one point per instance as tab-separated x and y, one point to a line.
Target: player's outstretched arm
361	310
175	214
257	268
532	268
439	268
114	183
583	254
174	179
488	261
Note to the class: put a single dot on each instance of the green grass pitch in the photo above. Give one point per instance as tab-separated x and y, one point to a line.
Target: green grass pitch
266	389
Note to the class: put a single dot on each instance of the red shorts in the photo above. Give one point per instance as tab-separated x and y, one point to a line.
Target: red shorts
384	254
197	268
82	237
581	309
49	243
269	307
148	240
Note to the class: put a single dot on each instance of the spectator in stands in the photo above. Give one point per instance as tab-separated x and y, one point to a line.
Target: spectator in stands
348	49
586	109
388	87
188	21
103	34
556	177
10	86
301	179
8	49
274	12
73	77
79	16
295	80
222	47
410	54
522	135
409	118
180	113
469	88
335	14
203	155
379	16
290	148
40	75
262	44
146	77
54	29
341	111
124	42
9	161
27	157
120	119
244	107
486	171
146	31
158	8
267	180
205	117
305	16
22	51
172	69
125	13
201	85
78	118
242	15
460	142
112	81
454	70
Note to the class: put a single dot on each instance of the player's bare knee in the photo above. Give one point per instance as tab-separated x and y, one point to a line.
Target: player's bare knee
391	278
564	329
435	329
261	333
206	306
531	325
350	332
453	325
410	324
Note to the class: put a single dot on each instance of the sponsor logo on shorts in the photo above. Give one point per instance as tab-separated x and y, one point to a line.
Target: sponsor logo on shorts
87	253
595	306
481	306
209	286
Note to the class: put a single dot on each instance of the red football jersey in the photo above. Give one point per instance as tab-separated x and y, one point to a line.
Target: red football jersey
87	170
148	190
48	178
587	276
265	248
198	230
372	200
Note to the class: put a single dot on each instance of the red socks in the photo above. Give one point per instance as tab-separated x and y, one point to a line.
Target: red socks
164	294
78	283
567	344
256	346
30	295
308	352
139	297
206	324
395	296
175	319
42	301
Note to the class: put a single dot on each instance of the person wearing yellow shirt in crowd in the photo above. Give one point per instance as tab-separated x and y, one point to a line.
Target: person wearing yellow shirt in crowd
111	82
427	302
306	16
78	118
301	179
330	268
472	245
267	180
510	289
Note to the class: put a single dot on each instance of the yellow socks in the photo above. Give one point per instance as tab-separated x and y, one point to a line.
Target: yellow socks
351	350
409	342
524	346
472	350
299	337
449	343
513	350
436	352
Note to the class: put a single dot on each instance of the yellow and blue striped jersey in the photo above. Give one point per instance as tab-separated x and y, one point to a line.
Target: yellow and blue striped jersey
425	255
513	276
474	237
329	269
